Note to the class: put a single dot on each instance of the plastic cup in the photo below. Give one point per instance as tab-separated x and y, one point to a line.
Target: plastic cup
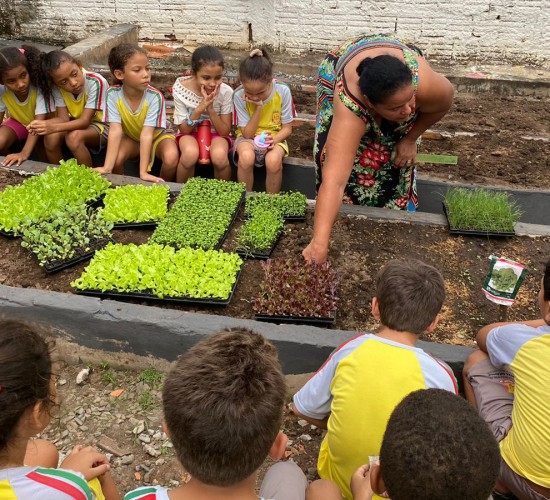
260	148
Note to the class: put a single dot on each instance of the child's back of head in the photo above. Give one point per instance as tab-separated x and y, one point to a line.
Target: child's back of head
436	446
223	405
25	376
410	294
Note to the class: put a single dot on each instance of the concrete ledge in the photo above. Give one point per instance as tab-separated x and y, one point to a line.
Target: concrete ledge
165	333
95	49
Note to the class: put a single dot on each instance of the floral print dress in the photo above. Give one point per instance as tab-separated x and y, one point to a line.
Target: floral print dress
373	180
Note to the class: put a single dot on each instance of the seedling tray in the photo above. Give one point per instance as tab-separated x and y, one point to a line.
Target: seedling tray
286	218
299	320
81	255
475	232
154	298
230	225
136	225
8	234
252	254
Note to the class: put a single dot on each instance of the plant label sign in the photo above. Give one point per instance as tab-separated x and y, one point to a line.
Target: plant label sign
503	281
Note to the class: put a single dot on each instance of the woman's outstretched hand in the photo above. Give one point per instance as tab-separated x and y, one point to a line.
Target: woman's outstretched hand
315	252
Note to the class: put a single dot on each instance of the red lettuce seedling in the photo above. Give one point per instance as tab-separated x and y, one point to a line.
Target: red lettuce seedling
293	287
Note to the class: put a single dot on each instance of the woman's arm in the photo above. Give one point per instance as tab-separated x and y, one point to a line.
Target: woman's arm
434	99
341	148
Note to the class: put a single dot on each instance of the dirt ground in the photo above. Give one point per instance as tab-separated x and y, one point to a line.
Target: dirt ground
359	248
502	141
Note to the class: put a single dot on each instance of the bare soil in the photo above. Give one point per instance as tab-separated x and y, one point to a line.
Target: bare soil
509	143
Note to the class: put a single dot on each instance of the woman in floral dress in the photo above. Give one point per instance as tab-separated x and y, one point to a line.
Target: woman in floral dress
376	96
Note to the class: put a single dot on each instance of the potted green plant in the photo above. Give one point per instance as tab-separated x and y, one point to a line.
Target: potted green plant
69	236
481	212
297	291
161	272
136	205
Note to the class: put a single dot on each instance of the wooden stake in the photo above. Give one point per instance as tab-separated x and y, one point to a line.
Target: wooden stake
502	313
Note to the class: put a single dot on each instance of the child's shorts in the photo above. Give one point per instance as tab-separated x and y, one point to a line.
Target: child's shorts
259	161
213	136
19	129
103	131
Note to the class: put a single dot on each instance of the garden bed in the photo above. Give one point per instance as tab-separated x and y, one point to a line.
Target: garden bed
498	155
359	248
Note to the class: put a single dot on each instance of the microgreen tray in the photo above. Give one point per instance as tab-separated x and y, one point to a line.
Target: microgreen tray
230	225
154	298
256	254
298	320
475	232
81	255
286	218
136	225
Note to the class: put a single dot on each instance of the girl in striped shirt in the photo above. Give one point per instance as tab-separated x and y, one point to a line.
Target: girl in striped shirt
21	100
137	118
27	401
79	97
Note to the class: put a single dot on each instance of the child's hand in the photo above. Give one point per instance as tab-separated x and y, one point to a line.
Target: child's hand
150	178
360	484
258	102
14	159
268	140
208	99
41	127
102	170
88	461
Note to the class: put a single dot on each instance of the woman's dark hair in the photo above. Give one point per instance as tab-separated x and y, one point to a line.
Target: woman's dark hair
28	56
119	56
25	374
381	76
257	66
206	55
50	61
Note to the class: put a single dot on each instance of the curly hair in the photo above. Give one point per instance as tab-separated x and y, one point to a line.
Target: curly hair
437	446
120	55
25	374
223	406
28	56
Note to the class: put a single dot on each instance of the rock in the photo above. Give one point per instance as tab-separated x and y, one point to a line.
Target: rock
305	437
144	438
160	461
110	445
82	376
140	427
302	423
153	452
127	459
61	381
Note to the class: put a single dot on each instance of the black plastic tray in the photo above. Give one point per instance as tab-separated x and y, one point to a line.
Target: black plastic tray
475	232
286	218
136	225
59	265
251	254
299	320
153	298
8	234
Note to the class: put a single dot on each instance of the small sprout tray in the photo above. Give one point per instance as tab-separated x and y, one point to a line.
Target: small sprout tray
298	320
81	255
286	218
154	298
230	225
150	224
475	232
253	254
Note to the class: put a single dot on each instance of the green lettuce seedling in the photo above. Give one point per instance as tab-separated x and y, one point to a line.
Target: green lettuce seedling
259	233
136	203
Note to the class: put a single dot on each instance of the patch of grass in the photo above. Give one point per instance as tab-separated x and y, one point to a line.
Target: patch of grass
147	400
151	376
481	209
109	377
104	365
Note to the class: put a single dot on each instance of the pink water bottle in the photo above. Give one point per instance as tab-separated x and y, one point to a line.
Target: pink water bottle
260	148
204	138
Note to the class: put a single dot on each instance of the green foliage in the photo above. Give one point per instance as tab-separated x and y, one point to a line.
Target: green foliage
136	203
259	233
69	230
481	209
109	377
151	376
37	198
161	271
201	214
504	279
290	204
147	400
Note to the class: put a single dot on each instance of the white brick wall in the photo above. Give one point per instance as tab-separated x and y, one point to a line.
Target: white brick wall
490	31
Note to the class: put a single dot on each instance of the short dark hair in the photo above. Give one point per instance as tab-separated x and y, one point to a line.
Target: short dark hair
223	405
410	294
25	374
437	446
382	76
546	282
204	55
257	66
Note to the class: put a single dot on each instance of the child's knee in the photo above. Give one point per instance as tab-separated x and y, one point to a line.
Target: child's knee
247	157
219	157
74	139
274	164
